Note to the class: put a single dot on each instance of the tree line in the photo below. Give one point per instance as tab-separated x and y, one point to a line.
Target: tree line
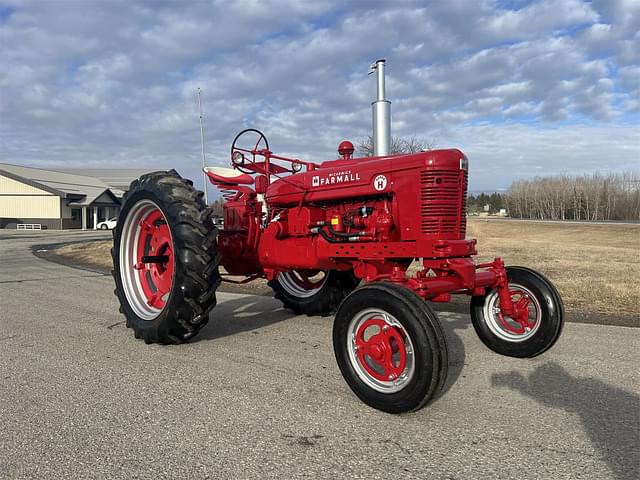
582	197
485	202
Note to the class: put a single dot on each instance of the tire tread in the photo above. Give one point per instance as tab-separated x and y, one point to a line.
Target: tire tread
196	275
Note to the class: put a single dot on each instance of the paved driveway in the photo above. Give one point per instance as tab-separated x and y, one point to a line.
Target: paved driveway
258	395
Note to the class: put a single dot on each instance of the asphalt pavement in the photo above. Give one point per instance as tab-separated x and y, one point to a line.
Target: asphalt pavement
258	395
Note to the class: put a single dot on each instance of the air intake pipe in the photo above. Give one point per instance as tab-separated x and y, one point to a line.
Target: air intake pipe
381	114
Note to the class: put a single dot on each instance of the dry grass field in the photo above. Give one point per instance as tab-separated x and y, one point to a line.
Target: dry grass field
96	254
595	267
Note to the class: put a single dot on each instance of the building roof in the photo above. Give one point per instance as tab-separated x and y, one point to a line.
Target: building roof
83	190
116	178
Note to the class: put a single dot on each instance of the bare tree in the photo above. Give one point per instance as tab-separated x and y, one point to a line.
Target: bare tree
398	145
585	197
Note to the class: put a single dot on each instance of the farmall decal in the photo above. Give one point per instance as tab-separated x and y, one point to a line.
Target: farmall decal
335	178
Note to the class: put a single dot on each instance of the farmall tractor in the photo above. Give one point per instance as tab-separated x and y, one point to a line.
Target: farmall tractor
335	237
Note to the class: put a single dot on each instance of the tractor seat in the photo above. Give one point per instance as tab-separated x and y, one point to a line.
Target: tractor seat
227	176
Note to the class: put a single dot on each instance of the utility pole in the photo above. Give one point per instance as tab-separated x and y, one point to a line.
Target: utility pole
204	164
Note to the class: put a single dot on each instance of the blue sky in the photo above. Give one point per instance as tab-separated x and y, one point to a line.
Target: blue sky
524	88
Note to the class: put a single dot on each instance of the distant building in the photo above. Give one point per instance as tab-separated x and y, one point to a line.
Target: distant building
61	199
118	179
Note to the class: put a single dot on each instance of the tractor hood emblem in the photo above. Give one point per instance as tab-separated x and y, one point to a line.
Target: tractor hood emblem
380	183
335	178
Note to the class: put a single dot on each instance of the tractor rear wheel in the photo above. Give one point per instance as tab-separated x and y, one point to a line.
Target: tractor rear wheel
313	292
164	258
390	347
537	326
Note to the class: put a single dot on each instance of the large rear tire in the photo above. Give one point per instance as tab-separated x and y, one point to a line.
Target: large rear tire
165	263
313	292
390	347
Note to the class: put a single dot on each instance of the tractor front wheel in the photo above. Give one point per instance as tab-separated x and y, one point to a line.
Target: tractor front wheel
390	347
164	258
533	329
313	292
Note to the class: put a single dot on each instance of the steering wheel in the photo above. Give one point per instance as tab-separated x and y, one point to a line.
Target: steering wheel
238	149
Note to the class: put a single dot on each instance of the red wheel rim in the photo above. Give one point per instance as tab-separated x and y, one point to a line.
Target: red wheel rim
380	350
522	324
383	354
154	258
521	321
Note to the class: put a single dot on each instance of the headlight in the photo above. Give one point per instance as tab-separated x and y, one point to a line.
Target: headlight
237	158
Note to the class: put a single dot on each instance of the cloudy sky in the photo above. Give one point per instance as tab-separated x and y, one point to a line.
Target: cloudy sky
525	88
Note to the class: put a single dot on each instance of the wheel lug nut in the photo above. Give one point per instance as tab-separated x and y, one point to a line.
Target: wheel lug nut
385	328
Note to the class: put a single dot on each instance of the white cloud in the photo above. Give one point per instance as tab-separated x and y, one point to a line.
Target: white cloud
537	18
114	82
498	155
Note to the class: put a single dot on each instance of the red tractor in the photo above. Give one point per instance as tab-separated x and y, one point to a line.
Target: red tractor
335	237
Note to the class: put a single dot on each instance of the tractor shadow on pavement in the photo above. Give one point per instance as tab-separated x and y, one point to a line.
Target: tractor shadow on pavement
243	314
593	401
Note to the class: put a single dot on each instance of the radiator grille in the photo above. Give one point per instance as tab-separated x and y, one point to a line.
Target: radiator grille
443	203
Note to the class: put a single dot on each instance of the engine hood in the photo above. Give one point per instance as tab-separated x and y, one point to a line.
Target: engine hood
359	177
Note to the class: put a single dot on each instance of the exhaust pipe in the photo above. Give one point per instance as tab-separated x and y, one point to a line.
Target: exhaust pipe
381	114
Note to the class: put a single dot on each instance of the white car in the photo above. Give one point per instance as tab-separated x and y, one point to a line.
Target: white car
108	224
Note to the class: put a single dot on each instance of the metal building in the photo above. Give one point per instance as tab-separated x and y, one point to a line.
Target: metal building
59	199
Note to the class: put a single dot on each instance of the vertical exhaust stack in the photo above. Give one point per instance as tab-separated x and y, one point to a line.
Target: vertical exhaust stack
381	114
